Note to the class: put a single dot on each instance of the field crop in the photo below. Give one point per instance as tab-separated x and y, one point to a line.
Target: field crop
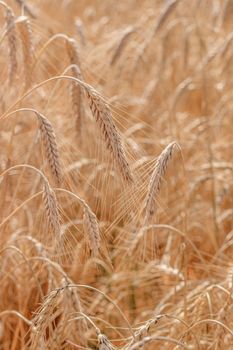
116	174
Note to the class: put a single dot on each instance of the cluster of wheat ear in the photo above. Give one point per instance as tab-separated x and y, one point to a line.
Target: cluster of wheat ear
116	186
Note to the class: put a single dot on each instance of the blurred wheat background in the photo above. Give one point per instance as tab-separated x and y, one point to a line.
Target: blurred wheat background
116	187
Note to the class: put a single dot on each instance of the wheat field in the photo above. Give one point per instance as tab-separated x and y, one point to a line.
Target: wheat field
116	186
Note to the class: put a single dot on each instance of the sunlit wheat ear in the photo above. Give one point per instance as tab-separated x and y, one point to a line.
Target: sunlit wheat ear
12	43
26	8
76	97
76	90
42	320
155	181
80	30
24	27
51	209
166	11
103	117
121	44
91	228
50	148
73	52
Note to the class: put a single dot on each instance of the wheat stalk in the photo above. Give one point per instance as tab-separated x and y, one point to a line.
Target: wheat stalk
12	42
141	344
50	147
91	228
155	181
103	117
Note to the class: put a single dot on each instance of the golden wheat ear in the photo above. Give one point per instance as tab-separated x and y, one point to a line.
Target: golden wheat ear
28	9
12	43
76	90
104	119
91	228
51	209
24	27
76	97
155	181
50	147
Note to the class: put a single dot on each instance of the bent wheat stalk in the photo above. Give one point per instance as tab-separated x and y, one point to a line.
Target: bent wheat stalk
155	181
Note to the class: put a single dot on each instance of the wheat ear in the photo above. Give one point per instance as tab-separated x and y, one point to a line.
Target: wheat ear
24	27
26	8
91	228
169	7
51	209
12	42
103	117
50	147
104	343
121	44
155	181
80	31
76	90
